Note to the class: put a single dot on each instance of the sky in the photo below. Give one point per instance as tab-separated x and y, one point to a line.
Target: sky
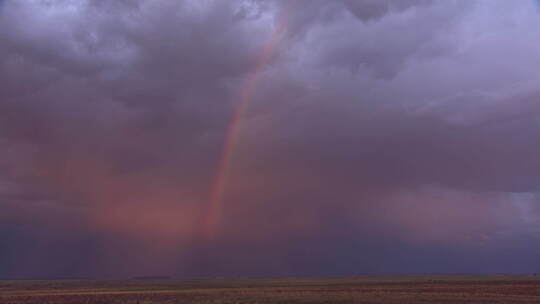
268	137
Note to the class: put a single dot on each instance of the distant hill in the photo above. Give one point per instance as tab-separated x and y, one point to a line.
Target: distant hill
151	278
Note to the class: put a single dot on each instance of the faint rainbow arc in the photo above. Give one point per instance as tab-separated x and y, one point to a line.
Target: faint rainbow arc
212	216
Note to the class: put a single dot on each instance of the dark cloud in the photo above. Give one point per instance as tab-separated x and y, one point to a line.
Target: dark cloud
368	10
370	127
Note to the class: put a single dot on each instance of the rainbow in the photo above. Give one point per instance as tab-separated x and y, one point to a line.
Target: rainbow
212	216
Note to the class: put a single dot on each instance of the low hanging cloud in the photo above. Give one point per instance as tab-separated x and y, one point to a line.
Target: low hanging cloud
371	127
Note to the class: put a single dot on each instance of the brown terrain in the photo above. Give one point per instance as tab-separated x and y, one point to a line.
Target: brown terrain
355	289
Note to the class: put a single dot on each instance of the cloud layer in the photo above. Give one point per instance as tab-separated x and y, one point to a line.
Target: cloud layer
378	136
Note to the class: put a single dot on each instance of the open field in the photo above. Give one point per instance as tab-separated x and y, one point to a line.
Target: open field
357	289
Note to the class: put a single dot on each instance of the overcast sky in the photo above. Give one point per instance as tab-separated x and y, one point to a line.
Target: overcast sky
269	137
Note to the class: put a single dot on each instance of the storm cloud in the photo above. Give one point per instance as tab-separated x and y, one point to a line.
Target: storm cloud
369	136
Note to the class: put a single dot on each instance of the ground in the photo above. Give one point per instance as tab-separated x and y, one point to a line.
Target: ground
354	289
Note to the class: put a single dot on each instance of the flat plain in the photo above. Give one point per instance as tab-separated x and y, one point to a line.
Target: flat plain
353	289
